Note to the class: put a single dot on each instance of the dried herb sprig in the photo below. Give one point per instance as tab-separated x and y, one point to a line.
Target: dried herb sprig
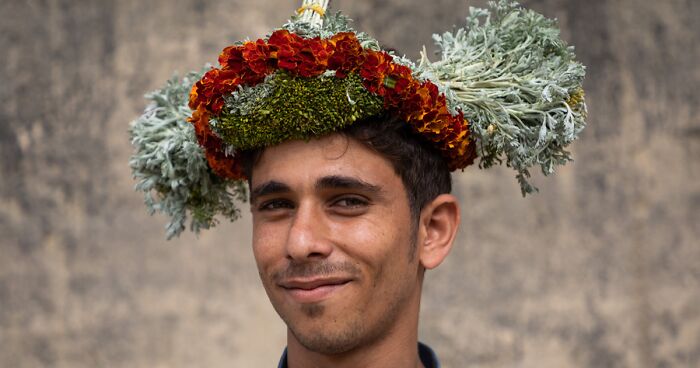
517	83
170	166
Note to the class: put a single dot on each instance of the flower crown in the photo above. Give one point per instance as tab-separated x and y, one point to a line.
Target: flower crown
505	90
382	84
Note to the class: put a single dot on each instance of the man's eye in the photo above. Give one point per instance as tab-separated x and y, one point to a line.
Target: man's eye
350	202
275	204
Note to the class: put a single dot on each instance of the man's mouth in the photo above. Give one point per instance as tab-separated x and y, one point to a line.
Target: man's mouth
313	290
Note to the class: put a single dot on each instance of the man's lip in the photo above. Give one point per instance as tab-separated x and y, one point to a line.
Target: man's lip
309	284
313	291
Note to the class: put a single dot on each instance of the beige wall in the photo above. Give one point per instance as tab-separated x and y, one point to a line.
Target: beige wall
600	270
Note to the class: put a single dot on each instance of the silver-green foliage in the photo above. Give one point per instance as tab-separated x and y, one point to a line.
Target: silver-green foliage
171	168
518	85
246	99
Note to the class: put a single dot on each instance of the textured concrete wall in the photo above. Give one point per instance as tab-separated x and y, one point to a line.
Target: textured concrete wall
600	270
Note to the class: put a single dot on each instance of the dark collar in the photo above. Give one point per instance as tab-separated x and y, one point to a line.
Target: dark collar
425	353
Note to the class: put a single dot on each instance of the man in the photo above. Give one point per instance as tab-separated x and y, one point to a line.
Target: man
344	228
347	151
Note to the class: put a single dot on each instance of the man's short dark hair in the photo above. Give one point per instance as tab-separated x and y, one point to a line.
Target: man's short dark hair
422	169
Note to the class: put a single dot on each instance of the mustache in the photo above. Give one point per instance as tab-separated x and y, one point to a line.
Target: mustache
316	269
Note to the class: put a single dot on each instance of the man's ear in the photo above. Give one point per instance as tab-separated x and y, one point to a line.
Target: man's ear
438	225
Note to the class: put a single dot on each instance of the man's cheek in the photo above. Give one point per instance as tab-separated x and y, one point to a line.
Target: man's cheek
266	242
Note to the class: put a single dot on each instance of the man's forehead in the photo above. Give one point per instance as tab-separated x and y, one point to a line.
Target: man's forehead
333	156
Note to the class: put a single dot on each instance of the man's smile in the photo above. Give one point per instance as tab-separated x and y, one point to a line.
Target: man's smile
313	290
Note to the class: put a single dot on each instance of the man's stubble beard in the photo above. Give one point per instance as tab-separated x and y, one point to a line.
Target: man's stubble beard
355	333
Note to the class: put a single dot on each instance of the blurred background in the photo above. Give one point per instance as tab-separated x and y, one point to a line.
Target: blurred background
602	269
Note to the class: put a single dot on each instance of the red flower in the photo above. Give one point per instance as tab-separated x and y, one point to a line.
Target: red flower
285	45
313	57
223	165
347	55
399	85
231	58
250	62
458	148
373	70
257	57
209	90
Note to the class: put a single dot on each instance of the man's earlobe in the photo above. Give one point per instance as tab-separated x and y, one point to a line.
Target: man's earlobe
439	221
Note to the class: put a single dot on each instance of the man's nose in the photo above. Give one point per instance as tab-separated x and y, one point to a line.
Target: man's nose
308	234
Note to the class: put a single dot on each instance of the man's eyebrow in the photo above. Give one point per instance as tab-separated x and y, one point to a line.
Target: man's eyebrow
268	187
346	182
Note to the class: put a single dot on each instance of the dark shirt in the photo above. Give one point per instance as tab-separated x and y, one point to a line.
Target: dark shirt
426	354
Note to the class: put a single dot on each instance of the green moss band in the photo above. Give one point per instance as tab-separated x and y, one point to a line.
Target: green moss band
299	108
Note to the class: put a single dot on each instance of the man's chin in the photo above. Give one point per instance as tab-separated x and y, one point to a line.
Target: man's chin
321	313
320	339
313	310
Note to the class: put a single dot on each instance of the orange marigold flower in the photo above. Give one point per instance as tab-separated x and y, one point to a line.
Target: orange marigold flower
285	45
209	90
347	54
200	121
231	58
223	165
463	151
284	37
313	57
400	85
194	97
373	70
249	62
257	57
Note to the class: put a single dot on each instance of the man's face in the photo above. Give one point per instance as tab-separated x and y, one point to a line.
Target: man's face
332	239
